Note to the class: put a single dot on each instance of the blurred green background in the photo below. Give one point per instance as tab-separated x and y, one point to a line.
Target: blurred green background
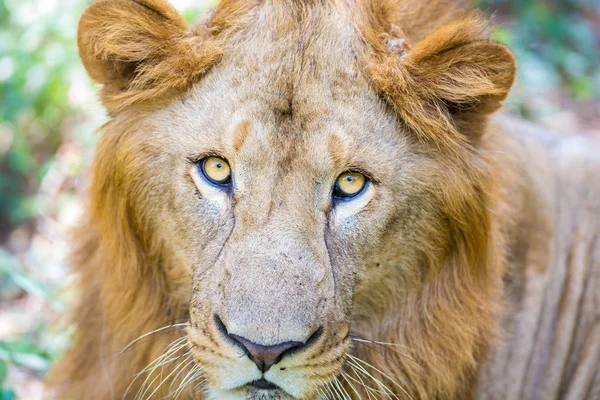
49	113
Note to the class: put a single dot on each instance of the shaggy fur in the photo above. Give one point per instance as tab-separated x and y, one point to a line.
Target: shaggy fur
434	283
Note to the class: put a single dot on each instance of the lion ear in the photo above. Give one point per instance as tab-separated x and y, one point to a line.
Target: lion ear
141	49
449	81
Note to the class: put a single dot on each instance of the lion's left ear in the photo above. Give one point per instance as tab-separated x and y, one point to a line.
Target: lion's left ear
448	82
141	49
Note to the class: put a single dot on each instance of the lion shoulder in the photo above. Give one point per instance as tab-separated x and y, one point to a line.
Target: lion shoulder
551	325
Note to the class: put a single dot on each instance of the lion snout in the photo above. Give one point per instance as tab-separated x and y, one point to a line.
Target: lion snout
273	293
265	356
269	319
235	364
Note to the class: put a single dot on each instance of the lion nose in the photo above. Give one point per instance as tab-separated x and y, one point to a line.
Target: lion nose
266	356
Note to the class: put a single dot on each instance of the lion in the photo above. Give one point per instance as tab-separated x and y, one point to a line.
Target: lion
299	199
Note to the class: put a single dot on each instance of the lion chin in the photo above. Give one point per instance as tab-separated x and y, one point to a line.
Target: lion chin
299	199
271	394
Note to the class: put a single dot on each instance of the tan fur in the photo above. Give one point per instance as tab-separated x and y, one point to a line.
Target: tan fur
418	287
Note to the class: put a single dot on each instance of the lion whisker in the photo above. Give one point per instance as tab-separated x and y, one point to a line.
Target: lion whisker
134	341
164	359
360	369
361	339
330	390
327	387
194	372
383	388
200	377
145	387
343	374
139	393
181	386
322	395
173	347
364	343
342	388
200	385
161	364
362	383
335	388
381	372
384	374
181	364
321	390
136	376
177	376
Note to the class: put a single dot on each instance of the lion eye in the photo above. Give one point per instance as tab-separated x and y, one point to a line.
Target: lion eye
216	170
349	184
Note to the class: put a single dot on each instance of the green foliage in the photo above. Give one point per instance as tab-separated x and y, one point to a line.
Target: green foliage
21	353
12	273
7	394
556	49
24	353
40	113
38	58
191	15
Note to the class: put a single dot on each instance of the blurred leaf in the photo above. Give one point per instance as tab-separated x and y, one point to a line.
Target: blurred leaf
502	35
32	361
29	285
3	372
582	88
7	394
191	15
9	266
26	354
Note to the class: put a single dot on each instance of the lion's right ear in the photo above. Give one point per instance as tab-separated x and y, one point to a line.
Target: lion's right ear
141	50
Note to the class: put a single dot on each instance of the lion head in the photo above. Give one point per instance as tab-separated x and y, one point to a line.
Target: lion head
307	185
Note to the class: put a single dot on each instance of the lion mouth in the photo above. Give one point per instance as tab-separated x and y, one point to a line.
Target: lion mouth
265	389
260	389
264	384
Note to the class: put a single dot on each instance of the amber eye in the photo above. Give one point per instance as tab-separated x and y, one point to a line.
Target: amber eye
349	184
216	170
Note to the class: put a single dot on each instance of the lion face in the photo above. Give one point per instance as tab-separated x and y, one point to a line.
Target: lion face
289	204
275	249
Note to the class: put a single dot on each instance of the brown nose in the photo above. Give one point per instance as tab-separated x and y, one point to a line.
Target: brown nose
265	356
